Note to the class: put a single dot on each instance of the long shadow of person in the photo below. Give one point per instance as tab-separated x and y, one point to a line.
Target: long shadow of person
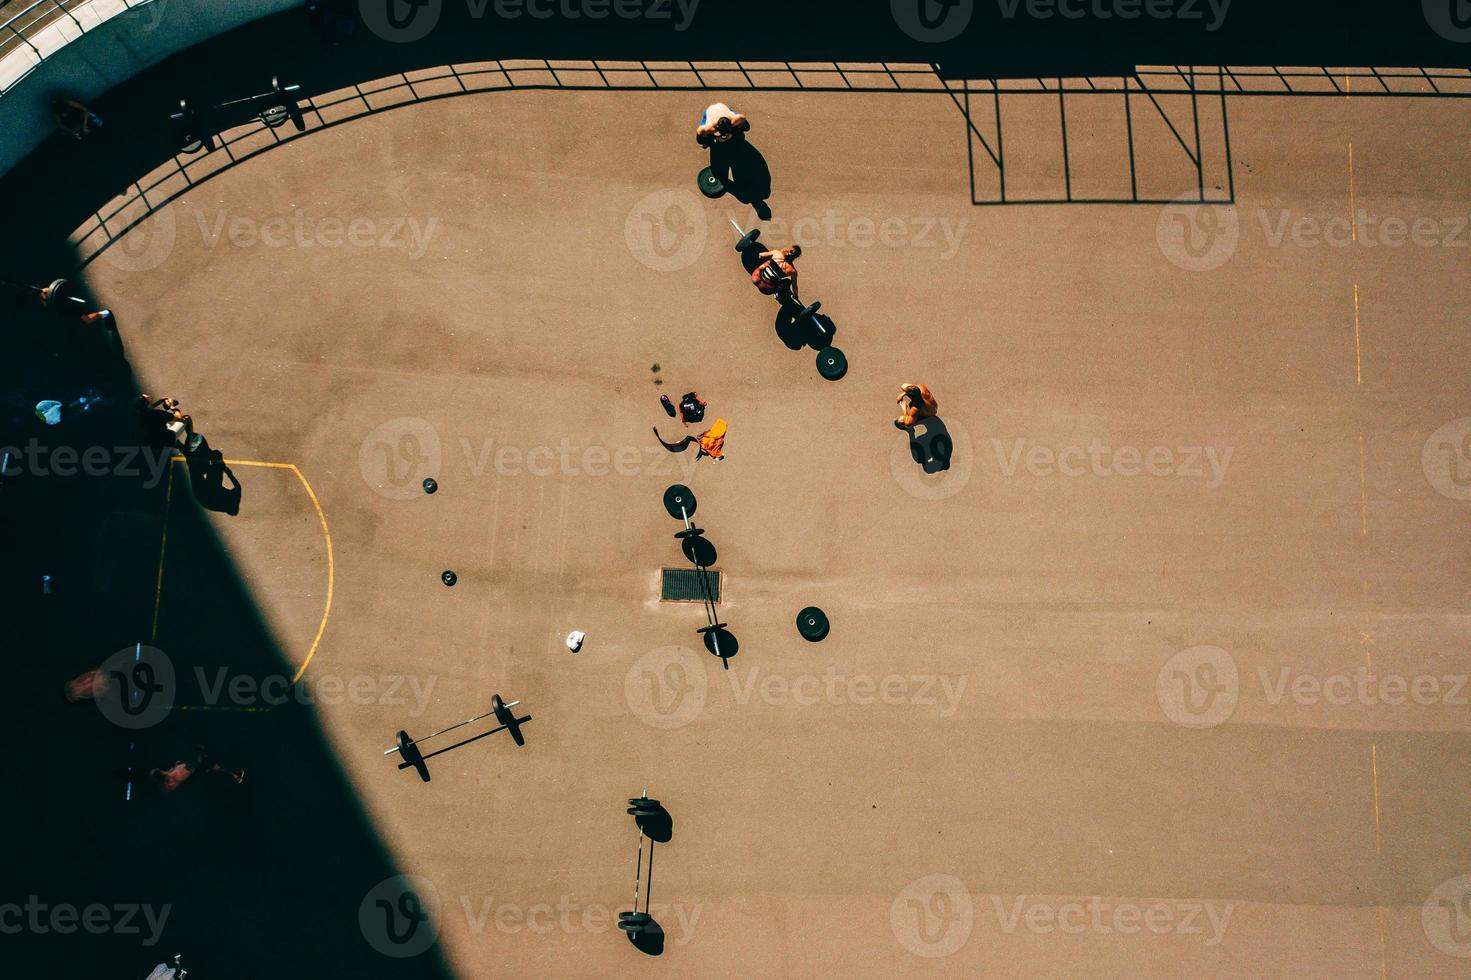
214	484
744	172
930	444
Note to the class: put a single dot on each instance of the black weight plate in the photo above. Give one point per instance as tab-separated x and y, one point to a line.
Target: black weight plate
430	484
812	623
448	577
748	239
710	185
679	495
831	363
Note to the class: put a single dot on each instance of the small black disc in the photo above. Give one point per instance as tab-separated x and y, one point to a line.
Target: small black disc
710	185
831	363
812	623
678	496
448	577
430	484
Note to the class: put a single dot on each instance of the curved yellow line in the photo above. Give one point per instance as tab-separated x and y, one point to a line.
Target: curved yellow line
326	534
331	573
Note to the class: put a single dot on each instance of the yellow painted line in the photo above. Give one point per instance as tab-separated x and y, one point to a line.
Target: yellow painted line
163	544
1358	346
1353	222
326	535
331	573
1374	763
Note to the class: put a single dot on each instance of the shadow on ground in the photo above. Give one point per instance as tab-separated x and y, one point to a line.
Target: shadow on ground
262	879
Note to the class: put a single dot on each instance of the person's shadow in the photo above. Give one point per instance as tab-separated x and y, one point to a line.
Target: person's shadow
743	170
213	483
930	444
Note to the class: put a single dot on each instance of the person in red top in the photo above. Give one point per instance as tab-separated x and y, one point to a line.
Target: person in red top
915	403
776	275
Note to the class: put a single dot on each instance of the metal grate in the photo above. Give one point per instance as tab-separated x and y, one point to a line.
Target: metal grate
690	585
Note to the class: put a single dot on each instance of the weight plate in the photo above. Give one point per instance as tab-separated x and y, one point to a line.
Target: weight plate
405	745
678	496
274	116
448	577
644	802
430	484
710	185
812	623
831	363
808	311
748	239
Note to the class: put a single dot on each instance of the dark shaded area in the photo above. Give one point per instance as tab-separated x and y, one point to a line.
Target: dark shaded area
259	879
930	444
744	172
659	827
649	939
699	550
213	483
816	331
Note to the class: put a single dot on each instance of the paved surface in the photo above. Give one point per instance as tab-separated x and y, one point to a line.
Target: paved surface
1072	717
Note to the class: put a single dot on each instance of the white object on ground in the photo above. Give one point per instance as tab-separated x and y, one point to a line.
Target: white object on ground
574	640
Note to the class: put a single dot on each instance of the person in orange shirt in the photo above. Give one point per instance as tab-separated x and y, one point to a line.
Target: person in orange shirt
712	441
915	403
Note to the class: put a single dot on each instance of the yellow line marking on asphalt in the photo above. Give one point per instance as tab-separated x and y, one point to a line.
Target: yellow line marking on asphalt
326	535
163	543
1358	346
1374	764
1353	224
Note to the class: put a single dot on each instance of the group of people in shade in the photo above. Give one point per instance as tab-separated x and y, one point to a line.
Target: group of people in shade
95	684
774	275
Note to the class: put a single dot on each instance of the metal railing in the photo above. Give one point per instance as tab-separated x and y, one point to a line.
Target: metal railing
23	21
